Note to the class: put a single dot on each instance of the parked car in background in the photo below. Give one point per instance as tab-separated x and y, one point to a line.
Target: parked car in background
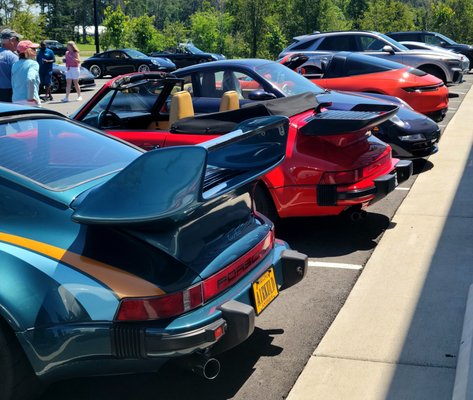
446	68
123	61
186	54
58	48
465	61
436	39
361	73
332	166
58	79
115	260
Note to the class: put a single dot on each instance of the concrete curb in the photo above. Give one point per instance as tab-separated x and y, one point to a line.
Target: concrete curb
463	387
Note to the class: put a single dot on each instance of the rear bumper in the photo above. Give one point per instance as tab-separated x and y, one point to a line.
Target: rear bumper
328	195
100	348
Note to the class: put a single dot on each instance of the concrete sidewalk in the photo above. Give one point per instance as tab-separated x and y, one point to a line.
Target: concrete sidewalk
398	334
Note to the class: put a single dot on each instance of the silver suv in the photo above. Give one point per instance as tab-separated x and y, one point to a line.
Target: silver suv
376	44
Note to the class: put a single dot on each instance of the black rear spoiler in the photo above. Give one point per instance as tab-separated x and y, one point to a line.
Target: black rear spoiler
170	183
362	117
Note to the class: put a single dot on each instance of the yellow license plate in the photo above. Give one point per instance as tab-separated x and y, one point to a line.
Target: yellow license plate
265	290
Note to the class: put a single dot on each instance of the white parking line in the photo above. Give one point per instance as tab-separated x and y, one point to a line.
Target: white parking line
321	264
402	188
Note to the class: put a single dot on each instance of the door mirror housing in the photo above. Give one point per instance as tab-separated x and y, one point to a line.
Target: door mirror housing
259	95
388	49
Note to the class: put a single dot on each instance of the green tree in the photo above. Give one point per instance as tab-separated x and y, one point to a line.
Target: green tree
355	10
210	28
116	24
453	18
30	25
388	15
142	34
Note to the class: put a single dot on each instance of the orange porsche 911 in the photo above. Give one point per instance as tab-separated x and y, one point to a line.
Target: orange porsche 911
361	73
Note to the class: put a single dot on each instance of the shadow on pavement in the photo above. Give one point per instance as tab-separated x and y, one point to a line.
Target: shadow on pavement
332	236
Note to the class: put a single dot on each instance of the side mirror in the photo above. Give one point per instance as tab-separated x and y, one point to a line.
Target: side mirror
259	95
442	43
388	49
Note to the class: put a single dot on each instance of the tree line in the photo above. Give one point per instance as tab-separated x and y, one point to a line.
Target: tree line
236	28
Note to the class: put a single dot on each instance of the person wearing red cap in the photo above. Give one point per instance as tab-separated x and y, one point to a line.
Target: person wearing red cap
25	74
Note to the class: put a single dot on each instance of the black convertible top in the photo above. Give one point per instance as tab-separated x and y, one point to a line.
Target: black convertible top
223	122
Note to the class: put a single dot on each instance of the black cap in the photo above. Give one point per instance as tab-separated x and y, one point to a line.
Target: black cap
9	34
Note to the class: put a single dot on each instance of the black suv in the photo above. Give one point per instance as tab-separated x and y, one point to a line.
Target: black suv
434	38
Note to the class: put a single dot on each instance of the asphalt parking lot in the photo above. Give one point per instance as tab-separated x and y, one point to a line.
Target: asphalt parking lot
268	364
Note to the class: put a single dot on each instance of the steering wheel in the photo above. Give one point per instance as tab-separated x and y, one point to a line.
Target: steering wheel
108	119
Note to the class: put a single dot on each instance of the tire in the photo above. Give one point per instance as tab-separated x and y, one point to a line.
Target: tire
143	68
96	70
55	85
17	379
264	203
435	71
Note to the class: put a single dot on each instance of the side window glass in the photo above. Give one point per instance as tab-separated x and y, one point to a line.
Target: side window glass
431	39
338	43
307	45
371	44
246	84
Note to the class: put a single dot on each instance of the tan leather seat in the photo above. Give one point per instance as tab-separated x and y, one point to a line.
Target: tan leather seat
229	101
181	106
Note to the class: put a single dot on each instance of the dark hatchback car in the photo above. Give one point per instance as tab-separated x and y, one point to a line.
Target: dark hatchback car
58	48
58	79
186	54
436	39
124	61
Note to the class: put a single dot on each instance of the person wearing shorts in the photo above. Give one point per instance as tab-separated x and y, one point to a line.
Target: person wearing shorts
45	58
72	60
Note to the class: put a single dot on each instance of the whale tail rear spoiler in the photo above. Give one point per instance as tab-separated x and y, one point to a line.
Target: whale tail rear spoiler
168	184
360	118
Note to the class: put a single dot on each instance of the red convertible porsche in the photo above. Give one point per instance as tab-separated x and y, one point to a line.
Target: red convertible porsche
332	163
361	73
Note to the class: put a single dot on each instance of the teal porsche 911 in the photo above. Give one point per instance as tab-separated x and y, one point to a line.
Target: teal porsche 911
115	260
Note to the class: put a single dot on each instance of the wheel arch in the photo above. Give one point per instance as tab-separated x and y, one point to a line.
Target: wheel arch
435	70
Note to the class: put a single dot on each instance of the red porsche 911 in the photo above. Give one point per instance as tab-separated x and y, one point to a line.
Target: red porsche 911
332	165
362	73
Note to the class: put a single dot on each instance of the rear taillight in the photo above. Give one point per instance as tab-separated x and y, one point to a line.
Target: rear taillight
174	304
341	177
160	307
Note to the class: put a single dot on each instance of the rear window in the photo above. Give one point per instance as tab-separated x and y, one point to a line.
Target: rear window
356	65
59	154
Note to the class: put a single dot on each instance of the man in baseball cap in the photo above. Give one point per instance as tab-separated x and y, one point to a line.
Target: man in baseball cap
9	41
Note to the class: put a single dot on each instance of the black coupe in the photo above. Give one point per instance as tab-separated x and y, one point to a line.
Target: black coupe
186	54
123	61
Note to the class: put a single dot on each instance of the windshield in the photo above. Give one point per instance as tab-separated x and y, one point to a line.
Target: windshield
446	39
127	101
394	43
59	154
192	49
286	80
135	53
